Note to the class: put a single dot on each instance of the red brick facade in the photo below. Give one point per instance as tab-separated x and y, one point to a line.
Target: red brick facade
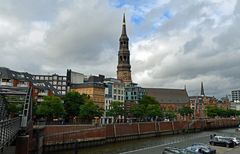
63	134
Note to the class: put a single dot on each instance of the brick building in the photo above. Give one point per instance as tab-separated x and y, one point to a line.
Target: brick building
40	86
169	99
200	102
94	87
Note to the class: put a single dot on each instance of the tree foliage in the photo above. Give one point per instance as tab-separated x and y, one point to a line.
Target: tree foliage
213	111
116	109
185	111
137	111
148	107
14	108
171	115
72	103
90	110
51	107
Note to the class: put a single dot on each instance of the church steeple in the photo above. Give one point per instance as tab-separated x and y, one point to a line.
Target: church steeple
124	32
202	90
124	67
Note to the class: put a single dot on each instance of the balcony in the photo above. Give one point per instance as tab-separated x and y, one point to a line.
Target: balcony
22	85
40	100
6	84
43	94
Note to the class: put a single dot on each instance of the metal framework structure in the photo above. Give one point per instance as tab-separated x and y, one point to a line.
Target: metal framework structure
10	127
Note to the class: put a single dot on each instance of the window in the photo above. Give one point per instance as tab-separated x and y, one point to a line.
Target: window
46	78
50	78
41	77
114	97
55	77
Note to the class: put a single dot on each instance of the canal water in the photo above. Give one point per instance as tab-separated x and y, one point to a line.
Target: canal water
133	146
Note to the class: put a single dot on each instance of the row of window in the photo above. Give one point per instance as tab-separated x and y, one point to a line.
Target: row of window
132	98
50	78
133	93
115	91
118	86
119	98
58	83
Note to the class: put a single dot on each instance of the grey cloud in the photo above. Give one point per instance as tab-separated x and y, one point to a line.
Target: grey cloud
209	51
193	44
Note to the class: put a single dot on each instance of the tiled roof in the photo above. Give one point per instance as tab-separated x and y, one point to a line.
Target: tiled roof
168	96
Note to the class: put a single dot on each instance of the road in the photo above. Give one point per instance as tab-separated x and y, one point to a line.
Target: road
186	140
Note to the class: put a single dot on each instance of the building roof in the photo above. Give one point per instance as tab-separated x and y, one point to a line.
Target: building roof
168	96
88	85
6	73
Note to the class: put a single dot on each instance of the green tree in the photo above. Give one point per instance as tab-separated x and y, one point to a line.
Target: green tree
146	100
147	107
90	110
51	107
137	111
211	111
185	111
171	115
72	103
153	110
14	108
116	109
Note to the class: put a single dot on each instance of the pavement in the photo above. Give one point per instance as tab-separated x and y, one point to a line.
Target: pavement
187	140
224	150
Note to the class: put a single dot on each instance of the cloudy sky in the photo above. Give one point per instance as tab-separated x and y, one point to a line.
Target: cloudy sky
172	42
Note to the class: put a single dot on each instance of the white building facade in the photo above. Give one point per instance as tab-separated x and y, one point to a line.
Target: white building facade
114	91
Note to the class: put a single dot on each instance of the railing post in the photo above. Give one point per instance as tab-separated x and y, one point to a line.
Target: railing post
22	143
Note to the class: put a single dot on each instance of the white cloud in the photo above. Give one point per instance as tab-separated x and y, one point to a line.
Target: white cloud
199	41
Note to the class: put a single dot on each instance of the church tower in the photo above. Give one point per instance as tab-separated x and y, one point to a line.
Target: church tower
202	90
124	67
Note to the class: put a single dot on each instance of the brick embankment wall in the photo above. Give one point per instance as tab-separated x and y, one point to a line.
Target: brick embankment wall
73	136
115	132
55	129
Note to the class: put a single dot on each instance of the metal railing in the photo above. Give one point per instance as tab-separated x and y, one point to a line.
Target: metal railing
8	131
10	127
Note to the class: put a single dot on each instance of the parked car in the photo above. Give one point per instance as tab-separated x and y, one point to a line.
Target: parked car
238	129
234	139
201	148
222	141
